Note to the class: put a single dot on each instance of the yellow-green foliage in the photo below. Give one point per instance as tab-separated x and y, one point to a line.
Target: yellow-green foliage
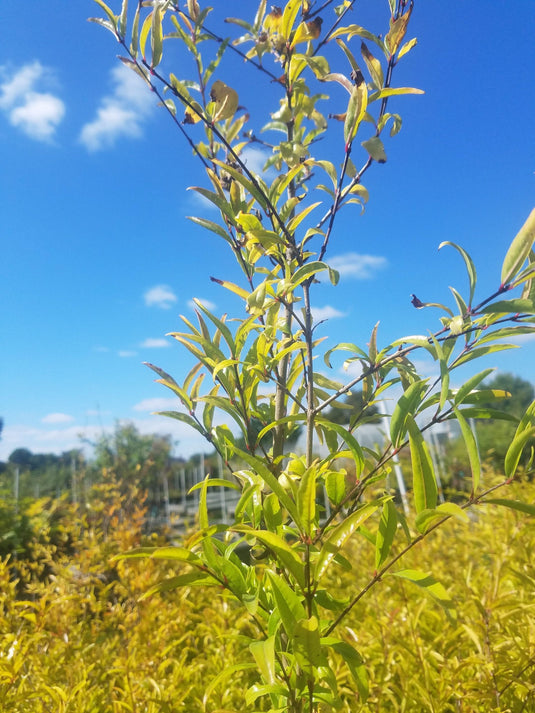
81	641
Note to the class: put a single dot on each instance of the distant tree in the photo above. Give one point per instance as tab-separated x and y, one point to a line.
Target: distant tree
22	457
132	457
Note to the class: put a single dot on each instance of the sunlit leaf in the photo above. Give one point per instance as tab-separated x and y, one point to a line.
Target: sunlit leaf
386	532
337	538
519	250
470	267
430	585
423	475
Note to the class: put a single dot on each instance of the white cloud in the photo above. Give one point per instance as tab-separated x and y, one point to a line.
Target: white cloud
155	343
321	313
206	303
161	403
125	353
37	114
160	296
359	267
57	418
254	158
121	113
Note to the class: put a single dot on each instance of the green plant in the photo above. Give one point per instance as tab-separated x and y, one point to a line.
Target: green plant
261	366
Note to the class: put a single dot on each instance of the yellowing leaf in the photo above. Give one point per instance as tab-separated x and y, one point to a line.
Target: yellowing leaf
225	100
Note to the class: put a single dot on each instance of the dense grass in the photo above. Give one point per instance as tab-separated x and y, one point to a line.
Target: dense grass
75	636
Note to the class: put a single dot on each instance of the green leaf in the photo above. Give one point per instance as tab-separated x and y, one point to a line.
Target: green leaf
156	37
185	418
267	476
374	66
122	18
335	485
393	92
471	448
356	109
308	270
189	579
264	655
306	501
222	676
307	643
519	250
112	18
356	666
430	585
478	352
161	553
376	149
407	405
287	557
425	519
210	225
423	477
471	384
470	267
527	508
340	535
514	452
386	532
289	605
215	482
349	440
509	306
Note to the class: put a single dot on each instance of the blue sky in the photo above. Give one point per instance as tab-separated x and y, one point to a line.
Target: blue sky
99	260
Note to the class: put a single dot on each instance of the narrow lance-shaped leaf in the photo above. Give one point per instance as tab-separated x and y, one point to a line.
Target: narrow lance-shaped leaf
423	476
430	585
527	508
519	250
385	535
264	655
156	38
514	452
306	501
340	535
289	604
471	384
287	557
356	108
471	448
470	267
407	404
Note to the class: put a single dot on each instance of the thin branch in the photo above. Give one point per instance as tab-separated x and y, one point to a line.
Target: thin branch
388	566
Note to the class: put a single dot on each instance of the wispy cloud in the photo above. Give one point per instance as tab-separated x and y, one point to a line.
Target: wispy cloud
35	113
206	303
155	343
121	113
162	403
57	418
321	313
255	158
126	353
161	296
358	267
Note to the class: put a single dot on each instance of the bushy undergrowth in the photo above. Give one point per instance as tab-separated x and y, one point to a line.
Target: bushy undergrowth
76	637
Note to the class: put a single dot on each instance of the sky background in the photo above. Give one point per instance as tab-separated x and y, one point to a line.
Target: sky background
98	259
